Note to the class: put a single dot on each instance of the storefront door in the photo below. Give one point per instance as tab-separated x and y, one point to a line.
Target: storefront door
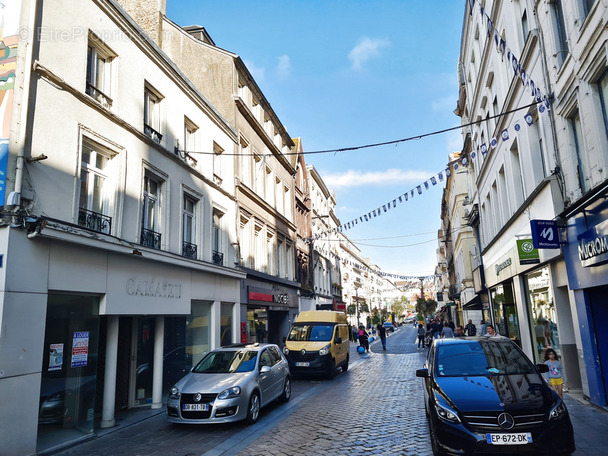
69	370
142	362
505	314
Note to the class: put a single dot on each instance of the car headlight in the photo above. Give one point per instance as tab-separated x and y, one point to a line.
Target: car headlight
174	393
324	351
558	411
285	351
235	391
445	413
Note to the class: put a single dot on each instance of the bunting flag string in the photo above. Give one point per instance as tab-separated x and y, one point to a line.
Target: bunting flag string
511	61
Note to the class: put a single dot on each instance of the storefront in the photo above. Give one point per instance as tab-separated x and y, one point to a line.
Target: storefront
504	312
586	256
99	324
269	306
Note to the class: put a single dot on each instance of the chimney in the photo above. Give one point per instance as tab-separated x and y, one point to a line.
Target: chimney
148	14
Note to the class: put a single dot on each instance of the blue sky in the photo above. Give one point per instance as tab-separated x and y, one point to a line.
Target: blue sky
351	73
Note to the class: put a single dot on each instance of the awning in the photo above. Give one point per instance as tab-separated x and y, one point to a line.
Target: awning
473	304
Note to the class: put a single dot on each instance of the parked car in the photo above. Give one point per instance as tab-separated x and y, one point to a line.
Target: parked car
231	383
483	395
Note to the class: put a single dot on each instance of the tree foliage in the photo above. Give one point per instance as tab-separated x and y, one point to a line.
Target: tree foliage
426	307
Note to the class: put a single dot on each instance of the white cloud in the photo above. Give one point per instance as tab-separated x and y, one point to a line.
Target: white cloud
257	73
366	49
352	178
283	66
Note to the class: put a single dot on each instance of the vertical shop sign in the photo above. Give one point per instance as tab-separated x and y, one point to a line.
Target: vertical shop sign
80	349
10	13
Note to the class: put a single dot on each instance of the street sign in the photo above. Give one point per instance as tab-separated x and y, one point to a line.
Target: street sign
544	234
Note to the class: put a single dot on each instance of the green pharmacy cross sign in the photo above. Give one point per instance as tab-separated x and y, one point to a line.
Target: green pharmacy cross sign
526	252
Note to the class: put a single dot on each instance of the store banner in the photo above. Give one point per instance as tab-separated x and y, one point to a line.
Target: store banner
544	234
526	252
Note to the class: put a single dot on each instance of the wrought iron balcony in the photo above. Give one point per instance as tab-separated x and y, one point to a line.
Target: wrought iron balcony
217	257
98	95
95	221
189	250
150	238
153	134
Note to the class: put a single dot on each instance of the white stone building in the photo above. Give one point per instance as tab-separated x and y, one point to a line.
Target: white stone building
111	235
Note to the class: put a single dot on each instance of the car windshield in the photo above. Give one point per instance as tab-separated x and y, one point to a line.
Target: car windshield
227	362
476	358
311	332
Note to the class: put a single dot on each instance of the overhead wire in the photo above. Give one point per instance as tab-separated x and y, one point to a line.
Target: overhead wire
379	144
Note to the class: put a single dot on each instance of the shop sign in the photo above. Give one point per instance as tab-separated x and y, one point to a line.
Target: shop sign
544	234
450	304
526	252
593	245
500	266
277	299
153	288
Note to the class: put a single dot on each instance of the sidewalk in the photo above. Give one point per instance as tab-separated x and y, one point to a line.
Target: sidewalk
590	425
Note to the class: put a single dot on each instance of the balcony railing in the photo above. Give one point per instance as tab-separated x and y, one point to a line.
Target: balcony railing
95	221
217	257
150	238
94	92
189	250
153	134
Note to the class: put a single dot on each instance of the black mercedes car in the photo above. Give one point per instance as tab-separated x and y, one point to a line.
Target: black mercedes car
484	396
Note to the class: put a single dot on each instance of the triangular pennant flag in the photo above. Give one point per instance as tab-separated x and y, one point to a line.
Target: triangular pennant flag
529	119
419	190
505	134
433	180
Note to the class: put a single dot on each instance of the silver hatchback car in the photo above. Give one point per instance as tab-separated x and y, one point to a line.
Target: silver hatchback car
231	383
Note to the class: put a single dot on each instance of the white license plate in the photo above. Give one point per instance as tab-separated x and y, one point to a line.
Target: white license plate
302	364
195	407
520	438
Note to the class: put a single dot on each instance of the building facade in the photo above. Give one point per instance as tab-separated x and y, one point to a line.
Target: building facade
112	232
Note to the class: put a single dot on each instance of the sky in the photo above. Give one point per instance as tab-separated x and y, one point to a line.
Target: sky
353	73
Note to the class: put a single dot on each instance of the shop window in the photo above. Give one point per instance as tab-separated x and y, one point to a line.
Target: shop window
506	322
226	324
541	309
69	369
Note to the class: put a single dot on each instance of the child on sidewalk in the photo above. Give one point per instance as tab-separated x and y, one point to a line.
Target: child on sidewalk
556	375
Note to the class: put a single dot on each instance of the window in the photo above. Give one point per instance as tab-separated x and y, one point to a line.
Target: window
189	248
152	101
516	177
279	194
525	28
282	272
150	237
561	42
258	174
217	254
245	163
217	163
587	5
287	196
270	263
259	248
582	158
99	58
94	198
603	90
190	130
269	187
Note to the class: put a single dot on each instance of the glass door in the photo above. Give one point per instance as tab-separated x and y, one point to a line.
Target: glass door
143	351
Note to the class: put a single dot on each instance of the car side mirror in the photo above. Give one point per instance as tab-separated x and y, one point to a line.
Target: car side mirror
542	368
424	373
265	369
338	340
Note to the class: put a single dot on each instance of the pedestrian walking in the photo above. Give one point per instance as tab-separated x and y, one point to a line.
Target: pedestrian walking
490	331
355	333
447	332
421	333
556	375
382	334
452	325
470	329
482	328
436	328
363	338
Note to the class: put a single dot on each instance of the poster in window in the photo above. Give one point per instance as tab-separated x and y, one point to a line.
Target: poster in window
80	348
55	357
